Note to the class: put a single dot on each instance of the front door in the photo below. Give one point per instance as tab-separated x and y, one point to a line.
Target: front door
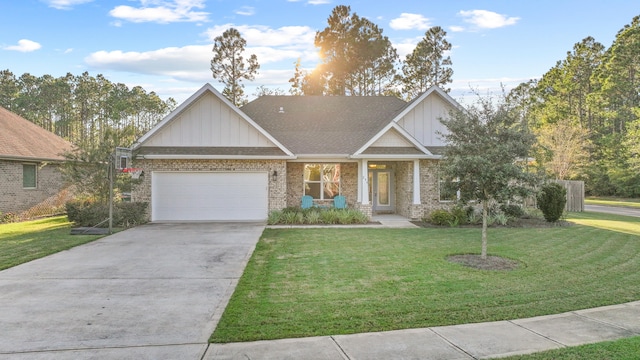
381	191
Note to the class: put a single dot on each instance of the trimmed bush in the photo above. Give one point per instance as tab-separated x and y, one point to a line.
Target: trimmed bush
297	216
551	201
441	217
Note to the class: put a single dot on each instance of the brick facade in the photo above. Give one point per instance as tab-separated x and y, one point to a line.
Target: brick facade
288	188
348	184
429	189
16	199
277	188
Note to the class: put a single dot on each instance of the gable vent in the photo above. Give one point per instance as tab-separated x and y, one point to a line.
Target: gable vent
281	111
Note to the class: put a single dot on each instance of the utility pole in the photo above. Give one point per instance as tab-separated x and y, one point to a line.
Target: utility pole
111	165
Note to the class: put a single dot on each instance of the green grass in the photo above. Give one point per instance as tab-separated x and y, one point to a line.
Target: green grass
625	349
30	240
609	201
311	282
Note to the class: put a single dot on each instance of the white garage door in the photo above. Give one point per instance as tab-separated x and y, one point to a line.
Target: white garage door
189	196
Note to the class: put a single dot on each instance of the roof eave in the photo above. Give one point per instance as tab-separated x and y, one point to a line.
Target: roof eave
212	157
395	157
30	158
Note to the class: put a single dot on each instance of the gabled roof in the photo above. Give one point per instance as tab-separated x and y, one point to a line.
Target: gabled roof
323	125
21	139
433	89
196	151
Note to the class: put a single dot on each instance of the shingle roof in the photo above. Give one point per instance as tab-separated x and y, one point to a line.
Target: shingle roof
22	139
323	124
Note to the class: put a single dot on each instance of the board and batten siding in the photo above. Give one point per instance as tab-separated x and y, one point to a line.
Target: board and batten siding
392	139
209	122
423	123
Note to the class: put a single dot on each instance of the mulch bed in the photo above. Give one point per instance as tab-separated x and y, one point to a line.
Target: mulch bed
490	263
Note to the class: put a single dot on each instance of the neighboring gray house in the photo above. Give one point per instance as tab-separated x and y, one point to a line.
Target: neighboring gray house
209	160
30	159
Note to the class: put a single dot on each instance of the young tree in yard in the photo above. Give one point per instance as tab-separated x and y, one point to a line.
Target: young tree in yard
427	65
229	66
486	152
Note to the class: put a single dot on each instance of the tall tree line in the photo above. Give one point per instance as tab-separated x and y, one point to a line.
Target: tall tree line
586	113
82	108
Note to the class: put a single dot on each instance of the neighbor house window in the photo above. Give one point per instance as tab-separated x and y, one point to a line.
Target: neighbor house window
29	179
322	181
448	189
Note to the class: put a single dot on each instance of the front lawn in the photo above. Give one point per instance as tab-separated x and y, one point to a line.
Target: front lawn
311	282
30	240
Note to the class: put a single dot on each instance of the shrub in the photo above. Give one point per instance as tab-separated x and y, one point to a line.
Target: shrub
551	201
441	217
127	214
512	210
329	216
8	217
460	216
275	217
91	213
312	217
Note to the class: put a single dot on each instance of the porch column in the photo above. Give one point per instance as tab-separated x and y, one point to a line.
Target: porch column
416	182
363	182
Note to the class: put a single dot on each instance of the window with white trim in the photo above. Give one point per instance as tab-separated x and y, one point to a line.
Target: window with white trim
448	189
322	181
29	176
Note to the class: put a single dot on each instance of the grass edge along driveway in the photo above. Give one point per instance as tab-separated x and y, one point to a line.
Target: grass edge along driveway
314	282
29	240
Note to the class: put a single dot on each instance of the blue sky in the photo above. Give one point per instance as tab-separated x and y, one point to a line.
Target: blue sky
165	45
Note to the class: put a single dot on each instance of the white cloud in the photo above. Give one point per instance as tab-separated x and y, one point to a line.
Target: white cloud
161	11
246	11
454	28
259	35
64	4
185	63
487	19
24	45
319	2
408	21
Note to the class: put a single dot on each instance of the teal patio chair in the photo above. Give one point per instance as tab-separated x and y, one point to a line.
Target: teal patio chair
340	202
307	202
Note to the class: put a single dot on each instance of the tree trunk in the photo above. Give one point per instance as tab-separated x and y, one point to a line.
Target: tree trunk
485	215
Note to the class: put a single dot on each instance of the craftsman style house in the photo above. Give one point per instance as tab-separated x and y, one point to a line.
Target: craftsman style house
209	160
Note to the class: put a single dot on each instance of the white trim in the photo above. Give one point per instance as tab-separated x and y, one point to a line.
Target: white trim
393	125
424	95
396	157
363	182
416	182
204	89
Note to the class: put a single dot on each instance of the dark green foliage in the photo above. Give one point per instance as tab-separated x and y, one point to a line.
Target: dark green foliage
313	216
512	210
92	213
441	217
551	201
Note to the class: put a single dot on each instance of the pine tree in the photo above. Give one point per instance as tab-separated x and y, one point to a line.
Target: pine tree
229	66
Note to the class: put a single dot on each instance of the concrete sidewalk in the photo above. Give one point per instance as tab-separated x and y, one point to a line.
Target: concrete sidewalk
464	342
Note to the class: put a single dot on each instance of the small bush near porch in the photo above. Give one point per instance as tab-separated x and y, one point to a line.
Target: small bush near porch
316	216
312	282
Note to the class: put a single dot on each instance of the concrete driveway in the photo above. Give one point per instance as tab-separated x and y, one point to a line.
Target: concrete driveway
151	292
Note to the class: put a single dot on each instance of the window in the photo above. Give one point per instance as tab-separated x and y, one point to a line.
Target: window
448	189
322	181
29	179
